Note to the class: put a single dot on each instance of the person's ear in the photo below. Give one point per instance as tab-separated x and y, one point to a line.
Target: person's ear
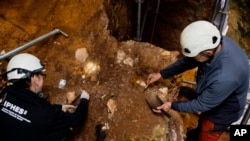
34	79
35	84
209	52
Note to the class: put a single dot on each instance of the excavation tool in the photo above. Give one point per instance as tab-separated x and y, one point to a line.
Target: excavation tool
31	43
145	88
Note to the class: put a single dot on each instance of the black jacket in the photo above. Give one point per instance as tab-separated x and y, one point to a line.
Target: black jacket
24	116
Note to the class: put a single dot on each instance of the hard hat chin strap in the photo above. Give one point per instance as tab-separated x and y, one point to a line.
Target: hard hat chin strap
205	55
209	56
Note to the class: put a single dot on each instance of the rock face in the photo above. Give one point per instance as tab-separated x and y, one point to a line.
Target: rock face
99	56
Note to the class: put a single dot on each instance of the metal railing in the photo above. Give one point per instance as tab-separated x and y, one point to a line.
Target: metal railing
220	15
31	43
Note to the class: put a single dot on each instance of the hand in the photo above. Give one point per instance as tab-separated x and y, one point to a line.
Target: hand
84	95
153	77
68	108
165	107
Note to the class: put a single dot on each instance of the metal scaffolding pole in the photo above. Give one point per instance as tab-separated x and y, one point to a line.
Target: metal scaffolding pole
138	31
31	43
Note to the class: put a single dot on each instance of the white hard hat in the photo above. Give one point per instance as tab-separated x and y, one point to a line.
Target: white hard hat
23	66
199	36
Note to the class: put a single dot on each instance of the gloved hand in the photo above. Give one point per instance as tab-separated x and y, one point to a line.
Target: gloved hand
85	95
68	108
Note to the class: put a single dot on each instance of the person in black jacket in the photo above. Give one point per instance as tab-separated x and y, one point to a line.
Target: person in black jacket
222	79
25	115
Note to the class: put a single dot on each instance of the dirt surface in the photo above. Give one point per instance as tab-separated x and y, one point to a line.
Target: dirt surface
113	72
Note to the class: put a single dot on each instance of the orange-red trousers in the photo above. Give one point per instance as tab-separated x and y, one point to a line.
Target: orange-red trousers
207	132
